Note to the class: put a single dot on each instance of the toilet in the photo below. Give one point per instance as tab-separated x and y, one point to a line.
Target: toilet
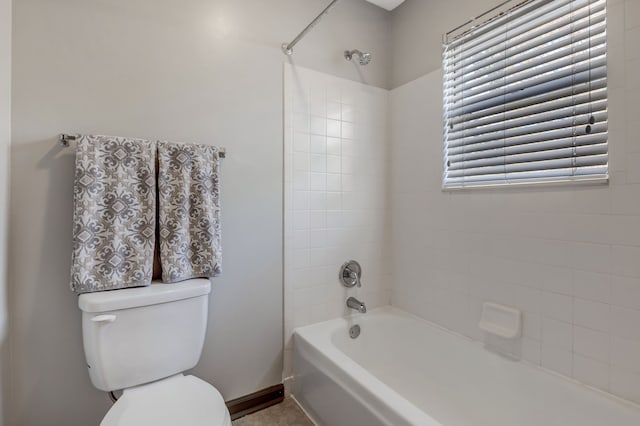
140	341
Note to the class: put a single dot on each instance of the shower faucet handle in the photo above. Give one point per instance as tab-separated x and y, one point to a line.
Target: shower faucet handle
354	276
350	274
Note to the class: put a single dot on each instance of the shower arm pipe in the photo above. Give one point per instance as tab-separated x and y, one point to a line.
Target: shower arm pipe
287	48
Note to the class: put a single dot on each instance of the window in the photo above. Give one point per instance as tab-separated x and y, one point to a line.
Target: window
525	96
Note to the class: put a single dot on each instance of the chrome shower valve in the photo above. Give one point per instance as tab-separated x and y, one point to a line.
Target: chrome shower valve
350	274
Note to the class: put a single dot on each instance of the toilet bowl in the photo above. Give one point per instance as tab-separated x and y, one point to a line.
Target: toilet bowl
140	341
178	400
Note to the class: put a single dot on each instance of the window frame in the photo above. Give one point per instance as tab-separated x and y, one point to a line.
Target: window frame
490	22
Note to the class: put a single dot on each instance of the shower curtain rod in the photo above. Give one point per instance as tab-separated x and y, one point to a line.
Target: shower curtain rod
287	48
65	138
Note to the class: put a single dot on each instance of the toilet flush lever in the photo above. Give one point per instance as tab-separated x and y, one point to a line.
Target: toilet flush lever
104	318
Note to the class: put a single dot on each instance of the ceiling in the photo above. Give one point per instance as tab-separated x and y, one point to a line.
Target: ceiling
386	4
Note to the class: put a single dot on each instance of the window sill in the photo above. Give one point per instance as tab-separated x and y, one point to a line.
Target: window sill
537	183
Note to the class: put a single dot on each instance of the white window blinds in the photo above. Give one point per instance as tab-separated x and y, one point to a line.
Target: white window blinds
525	96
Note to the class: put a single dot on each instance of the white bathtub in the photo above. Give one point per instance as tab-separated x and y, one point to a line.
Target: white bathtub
405	371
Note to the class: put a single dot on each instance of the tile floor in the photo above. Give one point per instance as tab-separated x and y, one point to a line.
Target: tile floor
286	413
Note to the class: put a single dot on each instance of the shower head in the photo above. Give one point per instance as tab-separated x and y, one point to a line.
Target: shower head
364	57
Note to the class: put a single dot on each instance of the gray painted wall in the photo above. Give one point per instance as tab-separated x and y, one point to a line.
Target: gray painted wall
208	72
5	140
417	27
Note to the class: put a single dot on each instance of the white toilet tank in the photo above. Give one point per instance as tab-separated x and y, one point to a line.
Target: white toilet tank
139	335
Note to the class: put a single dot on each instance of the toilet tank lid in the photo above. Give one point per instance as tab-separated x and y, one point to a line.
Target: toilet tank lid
154	294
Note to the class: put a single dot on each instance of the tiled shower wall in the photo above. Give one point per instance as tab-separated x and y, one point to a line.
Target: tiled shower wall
336	178
567	256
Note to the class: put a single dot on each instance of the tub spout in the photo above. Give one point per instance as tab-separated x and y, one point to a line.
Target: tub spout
354	303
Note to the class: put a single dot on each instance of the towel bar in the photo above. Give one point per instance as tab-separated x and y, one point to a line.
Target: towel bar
65	138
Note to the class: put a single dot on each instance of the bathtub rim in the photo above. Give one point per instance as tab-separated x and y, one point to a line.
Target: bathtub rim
336	359
355	379
509	356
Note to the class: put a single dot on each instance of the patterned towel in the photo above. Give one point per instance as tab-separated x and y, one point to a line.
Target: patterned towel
189	211
114	213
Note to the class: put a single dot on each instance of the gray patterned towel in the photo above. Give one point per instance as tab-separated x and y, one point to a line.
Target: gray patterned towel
114	213
189	211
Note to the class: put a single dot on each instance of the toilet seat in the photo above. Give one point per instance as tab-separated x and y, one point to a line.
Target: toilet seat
177	400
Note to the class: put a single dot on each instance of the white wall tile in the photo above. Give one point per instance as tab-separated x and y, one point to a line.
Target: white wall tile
300	239
334	200
591	372
531	350
625	384
317	200
318	182
632	70
625	353
625	200
301	220
568	256
557	333
301	142
633	158
300	181
334	182
334	147
333	128
531	325
632	14
632	50
592	286
334	164
625	261
337	198
348	130
625	292
318	144
556	279
317	163
334	110
557	359
317	238
590	314
527	298
624	323
300	161
318	126
557	306
317	219
300	200
591	343
590	257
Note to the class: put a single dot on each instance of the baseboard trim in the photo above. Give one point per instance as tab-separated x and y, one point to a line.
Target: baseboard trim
256	401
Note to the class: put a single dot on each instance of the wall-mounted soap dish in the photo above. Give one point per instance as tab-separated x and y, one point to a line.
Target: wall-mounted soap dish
500	320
